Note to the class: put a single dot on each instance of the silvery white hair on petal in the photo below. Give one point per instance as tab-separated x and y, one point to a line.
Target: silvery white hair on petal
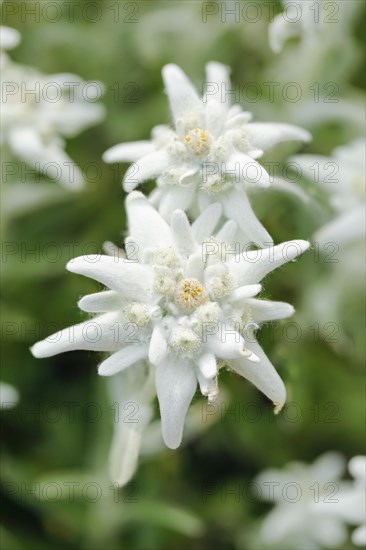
209	156
181	304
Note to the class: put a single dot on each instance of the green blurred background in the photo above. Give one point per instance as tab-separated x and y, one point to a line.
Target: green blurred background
185	498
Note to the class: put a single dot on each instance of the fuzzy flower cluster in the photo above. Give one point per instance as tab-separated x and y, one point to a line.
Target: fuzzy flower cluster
192	306
182	301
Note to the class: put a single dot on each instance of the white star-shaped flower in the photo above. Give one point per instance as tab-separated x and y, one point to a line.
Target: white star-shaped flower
184	301
210	154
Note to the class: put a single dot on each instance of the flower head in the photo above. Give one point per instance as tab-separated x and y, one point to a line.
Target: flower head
180	308
209	155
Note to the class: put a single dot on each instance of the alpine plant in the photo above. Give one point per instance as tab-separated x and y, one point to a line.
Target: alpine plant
210	155
184	301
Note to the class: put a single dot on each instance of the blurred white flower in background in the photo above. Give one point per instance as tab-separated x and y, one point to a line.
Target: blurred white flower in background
298	19
322	93
342	176
9	396
310	504
340	242
351	507
210	156
162	32
354	500
38	111
190	304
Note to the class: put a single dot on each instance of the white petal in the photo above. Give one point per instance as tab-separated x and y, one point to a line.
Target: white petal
346	228
128	152
330	466
176	196
218	78
126	277
263	375
357	467
101	302
215	117
281	522
9	38
48	158
9	396
266	310
280	30
359	536
244	292
208	386
237	207
112	249
223	341
204	200
105	332
158	346
181	233
251	266
237	119
245	169
146	227
195	266
127	440
176	385
132	391
263	135
155	196
203	227
147	168
280	184
227	232
181	93
122	359
207	365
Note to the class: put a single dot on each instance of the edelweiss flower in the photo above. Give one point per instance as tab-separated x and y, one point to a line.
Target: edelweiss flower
351	507
183	301
343	176
209	156
306	500
38	111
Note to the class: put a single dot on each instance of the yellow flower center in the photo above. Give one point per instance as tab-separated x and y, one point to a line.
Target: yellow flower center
198	142
189	294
